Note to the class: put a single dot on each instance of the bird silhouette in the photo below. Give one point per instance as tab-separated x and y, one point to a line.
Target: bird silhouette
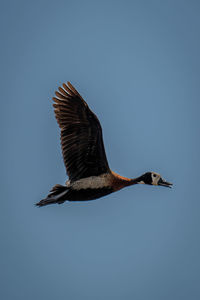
84	155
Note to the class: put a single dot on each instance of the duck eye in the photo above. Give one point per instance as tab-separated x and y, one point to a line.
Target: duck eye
154	175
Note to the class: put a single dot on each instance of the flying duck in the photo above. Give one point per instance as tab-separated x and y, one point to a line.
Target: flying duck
84	155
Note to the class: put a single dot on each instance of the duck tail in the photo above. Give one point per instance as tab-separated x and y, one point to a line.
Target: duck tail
57	195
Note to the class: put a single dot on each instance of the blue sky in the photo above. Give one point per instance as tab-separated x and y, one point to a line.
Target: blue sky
137	65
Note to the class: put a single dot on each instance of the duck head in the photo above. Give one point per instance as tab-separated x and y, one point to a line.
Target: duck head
153	178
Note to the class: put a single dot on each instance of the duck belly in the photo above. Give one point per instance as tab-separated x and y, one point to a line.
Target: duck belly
87	194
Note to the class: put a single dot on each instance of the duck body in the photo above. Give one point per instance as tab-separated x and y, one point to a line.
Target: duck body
90	176
89	188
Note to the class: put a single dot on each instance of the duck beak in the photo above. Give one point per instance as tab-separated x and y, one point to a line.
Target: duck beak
164	183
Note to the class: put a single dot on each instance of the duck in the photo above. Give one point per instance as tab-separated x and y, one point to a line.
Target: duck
89	174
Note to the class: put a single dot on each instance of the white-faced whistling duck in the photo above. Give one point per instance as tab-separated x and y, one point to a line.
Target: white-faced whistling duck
84	155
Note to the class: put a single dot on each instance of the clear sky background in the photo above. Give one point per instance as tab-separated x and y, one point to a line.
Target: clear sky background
137	65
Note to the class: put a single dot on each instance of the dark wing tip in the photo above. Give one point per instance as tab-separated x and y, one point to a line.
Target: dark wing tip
68	91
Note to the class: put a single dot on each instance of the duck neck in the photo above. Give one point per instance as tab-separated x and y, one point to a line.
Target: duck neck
134	180
121	182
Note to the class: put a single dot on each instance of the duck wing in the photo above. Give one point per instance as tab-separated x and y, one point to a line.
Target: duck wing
81	135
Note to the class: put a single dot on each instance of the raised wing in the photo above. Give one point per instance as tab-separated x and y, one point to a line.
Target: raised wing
81	135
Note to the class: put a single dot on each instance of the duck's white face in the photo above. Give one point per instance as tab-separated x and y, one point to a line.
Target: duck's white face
158	180
155	178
